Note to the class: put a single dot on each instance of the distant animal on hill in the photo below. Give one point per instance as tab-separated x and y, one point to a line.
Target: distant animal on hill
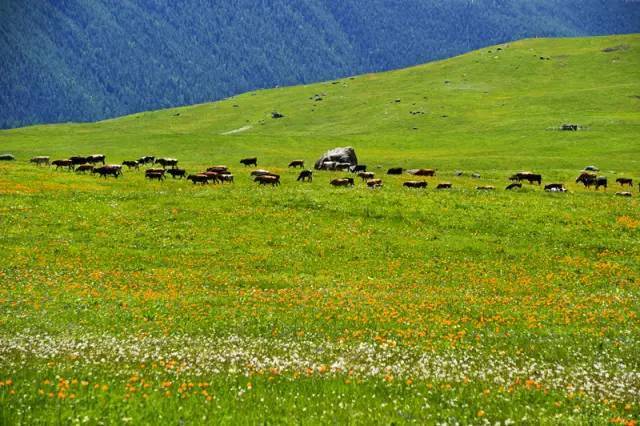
167	162
395	171
272	180
342	182
515	185
415	184
62	164
625	181
305	175
297	163
444	185
200	178
147	159
424	172
131	164
253	161
96	158
83	168
177	173
374	183
555	187
624	194
7	157
528	176
40	160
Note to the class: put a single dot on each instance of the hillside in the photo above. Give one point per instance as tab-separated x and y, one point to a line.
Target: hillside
79	61
496	106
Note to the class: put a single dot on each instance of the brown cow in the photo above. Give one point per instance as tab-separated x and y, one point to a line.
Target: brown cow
62	163
154	174
374	183
218	169
110	170
528	176
342	182
415	184
225	177
424	172
297	163
199	178
395	171
84	168
96	158
625	181
131	164
366	175
273	180
444	185
177	173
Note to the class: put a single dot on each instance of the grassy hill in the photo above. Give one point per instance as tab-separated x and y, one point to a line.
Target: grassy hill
129	300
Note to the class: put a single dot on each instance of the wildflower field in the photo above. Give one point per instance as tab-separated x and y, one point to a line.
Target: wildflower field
129	301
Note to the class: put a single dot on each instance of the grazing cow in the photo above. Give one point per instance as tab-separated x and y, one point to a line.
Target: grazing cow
96	158
374	183
177	173
365	176
154	174
273	180
218	169
213	177
395	171
444	185
260	172
342	182
515	185
297	163
199	178
625	181
7	157
590	179
77	160
555	187
624	194
249	162
225	177
110	170
485	188
358	168
305	175
62	164
39	161
147	159
415	184
133	164
424	172
84	168
528	176
167	162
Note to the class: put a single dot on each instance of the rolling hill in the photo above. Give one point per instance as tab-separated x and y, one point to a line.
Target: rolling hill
79	61
497	106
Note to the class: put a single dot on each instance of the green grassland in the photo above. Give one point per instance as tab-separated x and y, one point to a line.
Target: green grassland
124	300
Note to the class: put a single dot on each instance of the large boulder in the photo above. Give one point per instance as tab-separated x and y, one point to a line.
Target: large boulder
338	155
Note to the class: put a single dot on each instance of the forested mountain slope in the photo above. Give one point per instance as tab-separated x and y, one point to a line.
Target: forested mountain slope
81	61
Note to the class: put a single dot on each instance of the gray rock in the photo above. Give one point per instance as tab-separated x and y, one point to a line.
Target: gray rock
346	155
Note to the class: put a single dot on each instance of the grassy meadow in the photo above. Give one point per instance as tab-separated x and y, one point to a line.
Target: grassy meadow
130	301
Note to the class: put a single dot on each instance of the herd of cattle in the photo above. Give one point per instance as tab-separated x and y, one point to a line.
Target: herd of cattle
159	168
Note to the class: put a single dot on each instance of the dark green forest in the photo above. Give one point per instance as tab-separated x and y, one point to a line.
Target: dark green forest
82	60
